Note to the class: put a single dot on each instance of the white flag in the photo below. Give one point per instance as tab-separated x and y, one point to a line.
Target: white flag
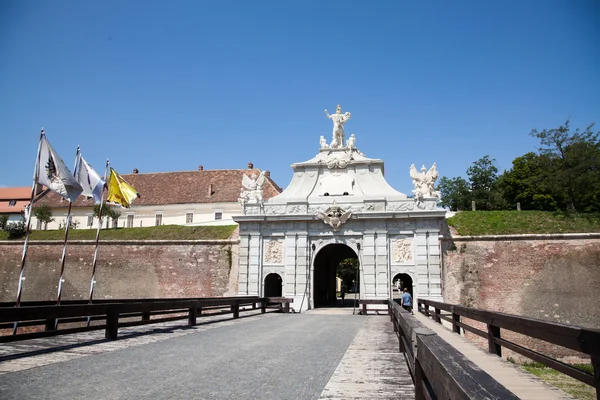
89	180
54	174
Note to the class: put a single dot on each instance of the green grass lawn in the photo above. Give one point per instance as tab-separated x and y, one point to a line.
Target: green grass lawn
520	222
165	232
572	386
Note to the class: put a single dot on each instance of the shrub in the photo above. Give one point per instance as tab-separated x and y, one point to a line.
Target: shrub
15	230
3	221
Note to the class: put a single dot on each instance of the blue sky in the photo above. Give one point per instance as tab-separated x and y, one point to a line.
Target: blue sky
167	86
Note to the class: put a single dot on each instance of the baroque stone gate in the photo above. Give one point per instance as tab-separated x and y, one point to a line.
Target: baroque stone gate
340	197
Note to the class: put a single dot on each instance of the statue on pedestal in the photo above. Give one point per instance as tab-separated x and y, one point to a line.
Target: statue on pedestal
323	143
351	142
424	182
339	120
252	191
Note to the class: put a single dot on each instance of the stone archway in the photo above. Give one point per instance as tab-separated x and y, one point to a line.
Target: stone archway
324	276
273	285
401	281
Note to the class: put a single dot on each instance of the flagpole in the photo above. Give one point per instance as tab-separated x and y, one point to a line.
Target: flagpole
93	279
64	253
28	227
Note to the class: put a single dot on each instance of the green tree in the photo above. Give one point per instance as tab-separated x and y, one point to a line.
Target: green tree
3	221
483	176
346	271
571	165
43	213
525	183
106	212
455	193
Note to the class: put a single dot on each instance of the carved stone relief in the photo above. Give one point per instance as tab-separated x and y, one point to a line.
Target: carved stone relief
402	250
374	207
274	210
403	206
296	209
251	209
274	252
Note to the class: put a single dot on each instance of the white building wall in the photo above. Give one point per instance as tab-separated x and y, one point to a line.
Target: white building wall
144	216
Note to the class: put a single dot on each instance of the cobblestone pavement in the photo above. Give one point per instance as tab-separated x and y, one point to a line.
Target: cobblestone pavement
273	356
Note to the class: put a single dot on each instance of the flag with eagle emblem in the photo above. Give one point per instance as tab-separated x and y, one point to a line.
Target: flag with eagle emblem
54	174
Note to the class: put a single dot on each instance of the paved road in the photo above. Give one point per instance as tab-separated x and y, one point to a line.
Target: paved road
276	356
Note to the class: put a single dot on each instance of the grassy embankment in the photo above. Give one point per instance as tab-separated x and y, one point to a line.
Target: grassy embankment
565	383
521	222
165	232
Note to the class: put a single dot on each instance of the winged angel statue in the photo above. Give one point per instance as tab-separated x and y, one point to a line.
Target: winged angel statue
334	216
424	182
252	191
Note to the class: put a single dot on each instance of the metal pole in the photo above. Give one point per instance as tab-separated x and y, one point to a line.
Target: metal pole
64	253
356	284
28	228
308	267
93	278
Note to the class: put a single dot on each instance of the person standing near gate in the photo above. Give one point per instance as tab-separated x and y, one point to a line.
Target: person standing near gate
343	293
407	301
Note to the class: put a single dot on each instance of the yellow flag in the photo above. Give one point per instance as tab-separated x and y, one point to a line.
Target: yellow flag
119	191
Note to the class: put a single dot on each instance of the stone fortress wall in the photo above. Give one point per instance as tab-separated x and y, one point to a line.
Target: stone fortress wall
550	277
144	269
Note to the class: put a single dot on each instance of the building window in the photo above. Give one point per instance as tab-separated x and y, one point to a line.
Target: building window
130	221
12	203
218	215
158	219
189	218
90	221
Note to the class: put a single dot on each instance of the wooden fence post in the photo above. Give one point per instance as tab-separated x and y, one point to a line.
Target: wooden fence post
436	316
112	324
145	315
192	315
596	365
49	325
455	319
236	310
494	348
263	306
427	310
286	307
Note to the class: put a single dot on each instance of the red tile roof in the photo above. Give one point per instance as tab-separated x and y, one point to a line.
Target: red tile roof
15	193
17	208
162	188
19	194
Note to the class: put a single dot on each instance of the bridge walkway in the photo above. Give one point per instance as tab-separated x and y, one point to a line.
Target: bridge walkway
521	383
268	356
372	367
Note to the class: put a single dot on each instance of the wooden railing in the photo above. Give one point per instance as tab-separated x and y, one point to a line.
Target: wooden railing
438	369
43	316
583	340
